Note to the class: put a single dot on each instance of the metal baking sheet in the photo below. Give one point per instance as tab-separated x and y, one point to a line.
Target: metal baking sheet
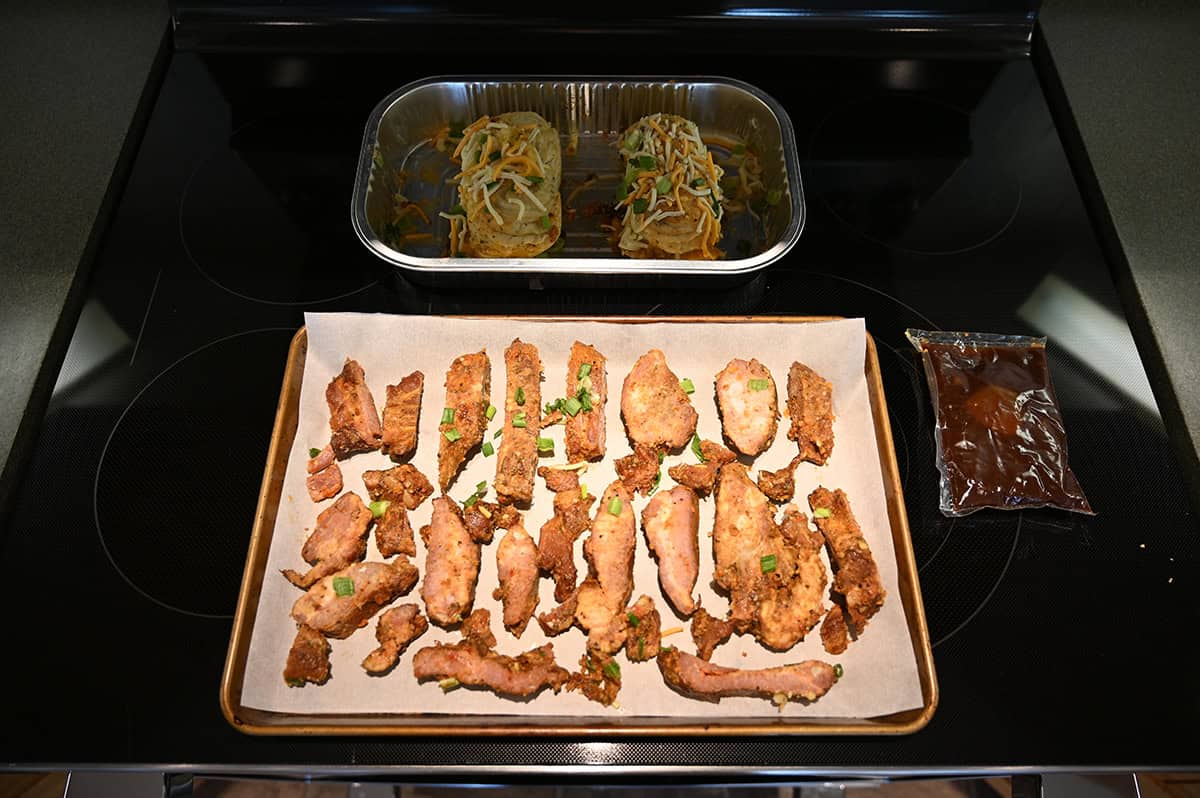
592	111
256	721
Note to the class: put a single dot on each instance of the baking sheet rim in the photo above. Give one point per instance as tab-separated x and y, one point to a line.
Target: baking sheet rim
268	723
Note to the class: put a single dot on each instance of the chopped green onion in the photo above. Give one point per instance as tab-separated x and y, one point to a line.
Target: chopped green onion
698	182
584	370
545	222
640	205
457	210
545	445
585	384
663	186
654	483
635	138
490	412
822	512
641	648
646	162
295	682
535	179
474	497
377	159
379	508
518	420
448	684
838	671
767	563
696	449
664	649
614	506
622	190
585	401
343	586
716	206
612	670
481	487
313	452
738	149
773	196
452	434
572	406
498	433
661	456
448	415
583	494
487	449
519	395
492	185
687	385
759	385
549	408
495	155
634	621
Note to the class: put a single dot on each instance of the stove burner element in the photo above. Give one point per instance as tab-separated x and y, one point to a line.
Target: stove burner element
914	174
178	479
264	216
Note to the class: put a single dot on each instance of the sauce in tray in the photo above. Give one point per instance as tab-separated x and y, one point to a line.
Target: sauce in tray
1001	440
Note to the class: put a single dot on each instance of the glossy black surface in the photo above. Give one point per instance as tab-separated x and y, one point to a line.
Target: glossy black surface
1059	640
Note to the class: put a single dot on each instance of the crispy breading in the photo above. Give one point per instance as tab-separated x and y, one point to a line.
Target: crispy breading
343	602
353	419
810	408
308	658
671	522
856	577
517	458
395	630
656	410
402	416
468	393
585	430
748	405
694	677
340	538
451	565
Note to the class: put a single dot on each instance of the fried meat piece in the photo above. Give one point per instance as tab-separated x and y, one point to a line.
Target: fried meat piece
556	539
517	569
472	662
640	470
810	408
775	579
517	459
468	393
451	565
692	676
656	410
709	632
855	575
559	480
343	602
748	405
585	430
780	486
394	532
703	476
324	484
560	619
323	460
403	483
835	636
598	678
671	522
609	551
644	630
353	419
478	521
395	630
402	416
339	539
308	659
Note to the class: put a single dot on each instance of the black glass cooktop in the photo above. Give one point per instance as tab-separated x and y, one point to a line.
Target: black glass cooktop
938	197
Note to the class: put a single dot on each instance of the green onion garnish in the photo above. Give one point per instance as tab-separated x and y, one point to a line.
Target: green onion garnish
759	385
474	497
622	190
767	563
773	196
822	512
614	506
448	415
698	182
535	179
696	449
584	370
585	401
295	682
452	434
490	412
646	162
495	156
641	648
687	385
585	384
583	494
377	159
343	586
492	185
572	406
545	222
634	621
663	185
654	484
635	138
661	456
518	420
612	670
519	395
487	449
457	210
498	433
738	149
313	452
448	684
545	445
379	508
640	205
481	487
838	671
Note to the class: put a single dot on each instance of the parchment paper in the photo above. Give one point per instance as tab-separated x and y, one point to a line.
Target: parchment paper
880	668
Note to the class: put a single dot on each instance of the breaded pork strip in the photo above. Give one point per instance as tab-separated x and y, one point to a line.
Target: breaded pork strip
656	410
339	539
810	408
451	565
396	629
856	577
343	602
671	522
517	459
468	393
353	419
692	676
585	430
517	571
748	405
402	416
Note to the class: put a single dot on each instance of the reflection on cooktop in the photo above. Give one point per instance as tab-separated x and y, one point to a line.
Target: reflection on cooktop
913	174
264	216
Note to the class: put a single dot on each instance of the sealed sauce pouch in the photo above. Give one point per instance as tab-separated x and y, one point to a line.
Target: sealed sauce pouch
999	433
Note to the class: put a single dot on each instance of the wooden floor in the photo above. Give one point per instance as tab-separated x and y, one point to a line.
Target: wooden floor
52	785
